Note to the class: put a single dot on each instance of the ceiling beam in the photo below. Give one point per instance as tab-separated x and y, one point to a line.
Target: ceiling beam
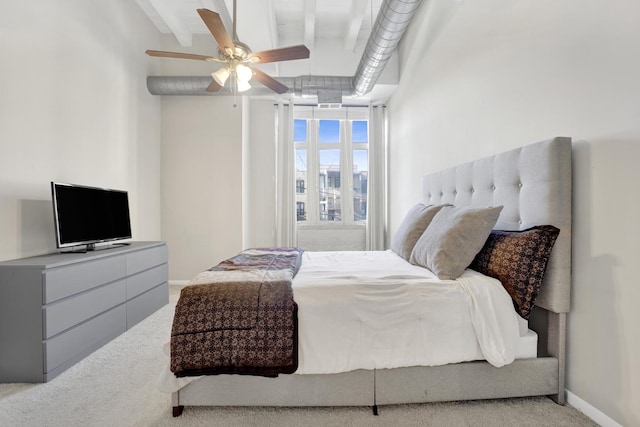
309	23
273	31
273	25
172	20
153	15
358	10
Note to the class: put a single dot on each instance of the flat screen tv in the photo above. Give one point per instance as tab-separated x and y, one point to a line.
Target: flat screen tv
88	215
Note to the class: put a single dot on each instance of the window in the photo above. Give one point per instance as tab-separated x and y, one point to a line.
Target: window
332	159
300	189
300	212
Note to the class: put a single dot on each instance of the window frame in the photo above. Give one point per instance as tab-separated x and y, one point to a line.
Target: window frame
346	146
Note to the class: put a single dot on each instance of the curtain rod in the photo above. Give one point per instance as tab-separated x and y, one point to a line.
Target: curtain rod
343	106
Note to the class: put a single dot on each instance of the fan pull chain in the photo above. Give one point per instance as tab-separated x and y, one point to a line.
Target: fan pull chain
235	33
234	85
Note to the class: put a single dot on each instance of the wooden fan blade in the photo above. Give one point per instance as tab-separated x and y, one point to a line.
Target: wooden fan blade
282	54
269	81
179	55
214	23
213	86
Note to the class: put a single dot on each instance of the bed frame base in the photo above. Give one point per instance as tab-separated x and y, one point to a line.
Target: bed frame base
461	381
552	329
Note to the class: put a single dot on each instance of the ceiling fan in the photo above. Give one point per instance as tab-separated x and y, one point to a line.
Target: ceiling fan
237	57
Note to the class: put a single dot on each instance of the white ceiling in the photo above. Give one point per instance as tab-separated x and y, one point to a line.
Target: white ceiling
343	23
335	31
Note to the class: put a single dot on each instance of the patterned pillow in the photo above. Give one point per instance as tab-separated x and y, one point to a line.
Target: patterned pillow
413	225
518	259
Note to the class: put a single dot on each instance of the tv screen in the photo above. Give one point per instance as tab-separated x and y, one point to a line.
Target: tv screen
87	215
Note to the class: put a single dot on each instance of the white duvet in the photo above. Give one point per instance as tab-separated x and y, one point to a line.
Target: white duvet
374	310
393	314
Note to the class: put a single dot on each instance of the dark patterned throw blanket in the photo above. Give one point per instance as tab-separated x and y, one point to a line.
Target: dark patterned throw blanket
239	317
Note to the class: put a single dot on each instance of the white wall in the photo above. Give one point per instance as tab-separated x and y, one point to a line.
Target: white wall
74	108
484	76
260	204
218	176
344	238
201	182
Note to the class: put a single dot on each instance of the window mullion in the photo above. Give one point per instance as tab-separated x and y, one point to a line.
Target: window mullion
347	173
313	209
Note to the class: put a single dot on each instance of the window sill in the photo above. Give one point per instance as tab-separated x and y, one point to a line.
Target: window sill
331	225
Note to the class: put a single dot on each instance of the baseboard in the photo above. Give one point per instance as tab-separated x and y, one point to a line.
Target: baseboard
595	414
178	282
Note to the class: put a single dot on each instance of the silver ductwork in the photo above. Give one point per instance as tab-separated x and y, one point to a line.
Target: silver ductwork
308	86
392	21
197	86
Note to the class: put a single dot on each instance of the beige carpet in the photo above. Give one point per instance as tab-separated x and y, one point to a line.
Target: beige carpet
115	386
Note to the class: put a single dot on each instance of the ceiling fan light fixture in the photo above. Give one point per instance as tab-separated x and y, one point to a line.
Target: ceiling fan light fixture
221	75
243	85
243	73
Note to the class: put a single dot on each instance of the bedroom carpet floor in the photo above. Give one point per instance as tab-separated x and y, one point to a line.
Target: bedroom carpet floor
115	386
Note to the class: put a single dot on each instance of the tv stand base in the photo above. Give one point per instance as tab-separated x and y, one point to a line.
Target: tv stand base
92	247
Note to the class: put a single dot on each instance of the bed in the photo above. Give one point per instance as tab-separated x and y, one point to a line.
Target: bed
533	184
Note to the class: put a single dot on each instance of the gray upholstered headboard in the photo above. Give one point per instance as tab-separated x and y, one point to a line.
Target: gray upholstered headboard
533	183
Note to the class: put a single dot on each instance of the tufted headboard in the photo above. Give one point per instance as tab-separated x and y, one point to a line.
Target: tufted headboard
533	183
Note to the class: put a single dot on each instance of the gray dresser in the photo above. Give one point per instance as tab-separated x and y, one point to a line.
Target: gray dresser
56	309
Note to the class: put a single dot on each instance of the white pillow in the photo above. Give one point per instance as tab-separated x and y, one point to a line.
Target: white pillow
413	225
453	238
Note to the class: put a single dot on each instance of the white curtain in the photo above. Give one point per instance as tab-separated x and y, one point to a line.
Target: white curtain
377	191
285	177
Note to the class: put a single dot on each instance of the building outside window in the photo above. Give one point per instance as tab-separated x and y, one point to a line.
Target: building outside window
300	188
301	214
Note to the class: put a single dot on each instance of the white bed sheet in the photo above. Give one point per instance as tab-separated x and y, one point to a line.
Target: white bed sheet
374	310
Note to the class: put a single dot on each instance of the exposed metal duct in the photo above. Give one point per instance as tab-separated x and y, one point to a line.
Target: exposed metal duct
197	85
392	21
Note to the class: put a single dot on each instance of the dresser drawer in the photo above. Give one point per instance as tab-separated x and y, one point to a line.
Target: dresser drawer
143	260
142	282
143	305
74	344
69	312
65	281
